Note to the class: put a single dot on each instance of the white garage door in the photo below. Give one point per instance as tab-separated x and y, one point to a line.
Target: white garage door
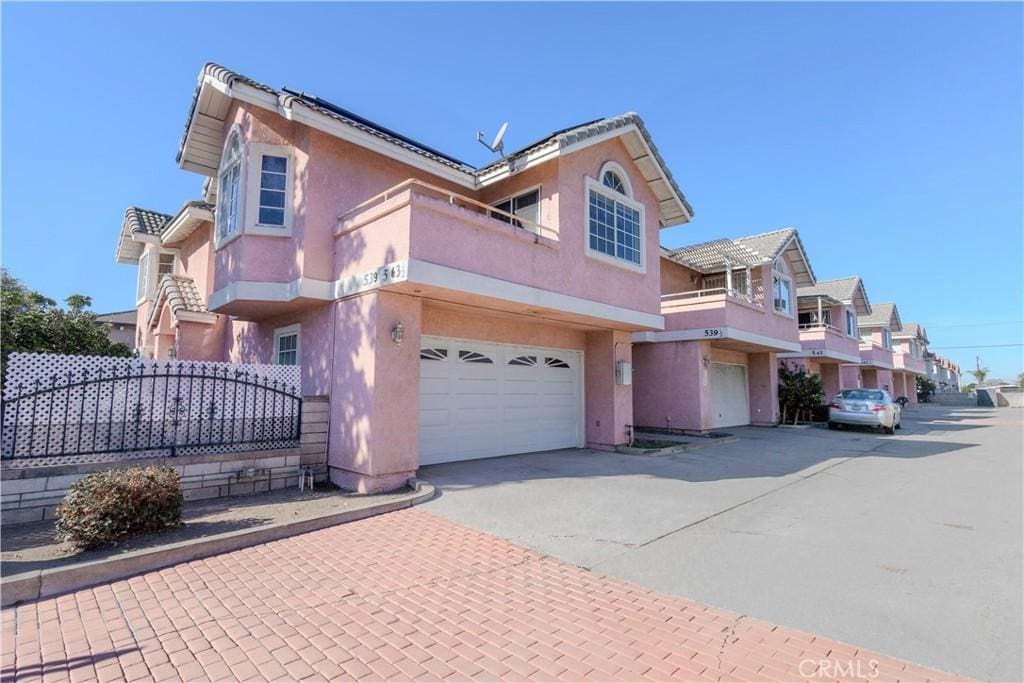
729	403
479	400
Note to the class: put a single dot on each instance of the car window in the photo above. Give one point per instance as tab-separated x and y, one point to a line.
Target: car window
863	395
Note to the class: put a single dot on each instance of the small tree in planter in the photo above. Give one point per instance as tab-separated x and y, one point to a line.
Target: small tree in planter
800	392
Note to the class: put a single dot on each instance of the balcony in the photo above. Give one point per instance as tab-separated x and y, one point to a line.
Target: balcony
428	241
875	355
908	363
822	340
730	318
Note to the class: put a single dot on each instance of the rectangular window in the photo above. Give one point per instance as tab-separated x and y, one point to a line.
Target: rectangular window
811	317
781	294
525	206
614	228
851	323
886	338
273	184
165	266
142	290
286	345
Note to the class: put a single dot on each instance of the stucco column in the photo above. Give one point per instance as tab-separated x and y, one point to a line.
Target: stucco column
912	388
830	380
885	380
374	431
609	406
869	378
763	378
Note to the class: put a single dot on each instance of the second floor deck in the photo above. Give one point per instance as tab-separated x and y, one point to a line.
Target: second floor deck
875	355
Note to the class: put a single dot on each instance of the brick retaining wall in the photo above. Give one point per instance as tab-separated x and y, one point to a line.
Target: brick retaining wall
31	494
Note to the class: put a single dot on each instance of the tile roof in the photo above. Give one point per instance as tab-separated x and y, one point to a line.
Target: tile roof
181	294
145	220
287	99
772	244
590	129
914	330
842	289
882	315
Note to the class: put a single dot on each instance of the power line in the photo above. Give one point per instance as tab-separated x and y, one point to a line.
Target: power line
989	324
978	346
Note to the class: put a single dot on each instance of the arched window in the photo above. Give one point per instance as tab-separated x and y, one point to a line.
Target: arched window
229	182
614	178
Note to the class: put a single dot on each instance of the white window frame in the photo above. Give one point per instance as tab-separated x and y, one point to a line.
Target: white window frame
851	323
616	168
152	275
254	165
287	331
142	284
516	195
782	277
592	185
222	190
886	338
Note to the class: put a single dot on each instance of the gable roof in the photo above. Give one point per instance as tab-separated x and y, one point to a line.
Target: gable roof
786	241
754	250
202	141
118	317
913	331
138	223
882	315
183	298
849	290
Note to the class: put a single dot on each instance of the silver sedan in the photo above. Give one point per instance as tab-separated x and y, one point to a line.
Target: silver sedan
865	407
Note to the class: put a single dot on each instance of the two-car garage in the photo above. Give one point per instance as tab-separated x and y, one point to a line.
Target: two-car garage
480	400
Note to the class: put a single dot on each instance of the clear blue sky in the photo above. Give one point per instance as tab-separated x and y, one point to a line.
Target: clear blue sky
890	135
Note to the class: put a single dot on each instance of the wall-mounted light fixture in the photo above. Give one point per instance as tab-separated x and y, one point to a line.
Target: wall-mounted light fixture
707	361
398	333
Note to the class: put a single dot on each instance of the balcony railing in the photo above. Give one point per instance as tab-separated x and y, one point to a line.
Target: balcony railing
699	294
820	326
468	203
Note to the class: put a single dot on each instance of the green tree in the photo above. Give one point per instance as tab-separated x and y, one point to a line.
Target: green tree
925	388
31	322
800	392
979	375
968	388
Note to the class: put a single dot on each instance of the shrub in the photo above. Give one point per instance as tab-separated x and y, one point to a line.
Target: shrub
799	391
105	507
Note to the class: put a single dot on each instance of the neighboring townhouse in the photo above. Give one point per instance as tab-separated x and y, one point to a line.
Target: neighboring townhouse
910	344
449	312
120	326
875	370
730	309
942	371
827	314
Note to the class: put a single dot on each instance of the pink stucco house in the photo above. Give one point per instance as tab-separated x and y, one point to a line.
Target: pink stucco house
730	310
876	358
828	313
449	312
909	348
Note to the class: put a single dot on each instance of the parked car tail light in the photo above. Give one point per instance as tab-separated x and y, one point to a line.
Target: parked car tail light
877	409
835	404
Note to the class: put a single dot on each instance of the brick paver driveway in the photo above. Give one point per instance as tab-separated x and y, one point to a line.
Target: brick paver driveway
405	596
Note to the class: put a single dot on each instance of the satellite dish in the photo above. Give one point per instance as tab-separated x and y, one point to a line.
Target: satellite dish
498	146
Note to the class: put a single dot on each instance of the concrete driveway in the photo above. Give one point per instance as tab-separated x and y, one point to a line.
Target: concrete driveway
910	545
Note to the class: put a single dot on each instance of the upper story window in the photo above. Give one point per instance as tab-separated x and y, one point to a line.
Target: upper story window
165	266
142	288
268	203
781	294
886	338
851	323
229	189
286	345
273	183
811	317
614	220
525	206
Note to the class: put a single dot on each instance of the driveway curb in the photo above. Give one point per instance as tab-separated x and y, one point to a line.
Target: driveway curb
43	583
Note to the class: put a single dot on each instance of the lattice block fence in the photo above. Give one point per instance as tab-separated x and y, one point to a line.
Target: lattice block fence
73	408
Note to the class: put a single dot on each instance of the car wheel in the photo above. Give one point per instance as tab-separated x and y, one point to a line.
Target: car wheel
899	425
889	430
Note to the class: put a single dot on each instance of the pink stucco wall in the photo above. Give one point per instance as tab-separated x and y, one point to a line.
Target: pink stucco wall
852	376
763	379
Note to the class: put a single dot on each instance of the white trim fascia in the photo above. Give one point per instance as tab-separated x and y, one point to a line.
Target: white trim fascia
432	274
473	283
700	334
338	129
828	355
192	213
196	317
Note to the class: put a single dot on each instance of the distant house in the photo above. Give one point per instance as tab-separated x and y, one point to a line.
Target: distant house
120	326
